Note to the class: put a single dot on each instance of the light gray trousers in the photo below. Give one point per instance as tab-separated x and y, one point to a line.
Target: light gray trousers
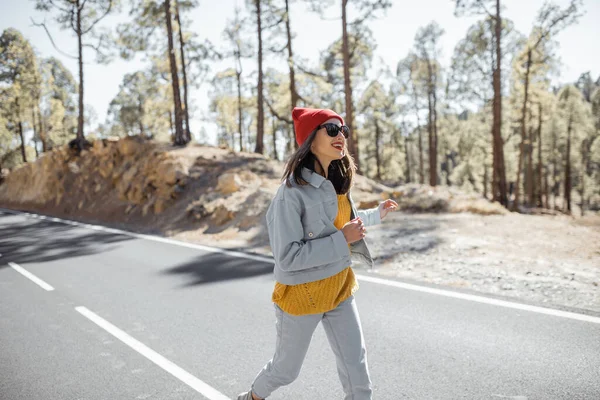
294	333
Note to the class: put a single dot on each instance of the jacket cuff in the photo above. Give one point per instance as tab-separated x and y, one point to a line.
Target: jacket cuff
376	216
340	245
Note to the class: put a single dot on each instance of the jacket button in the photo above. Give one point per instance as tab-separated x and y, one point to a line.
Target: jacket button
310	234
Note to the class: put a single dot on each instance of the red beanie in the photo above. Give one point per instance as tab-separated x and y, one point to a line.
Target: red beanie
306	120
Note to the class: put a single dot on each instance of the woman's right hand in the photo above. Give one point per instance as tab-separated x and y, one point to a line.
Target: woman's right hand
354	230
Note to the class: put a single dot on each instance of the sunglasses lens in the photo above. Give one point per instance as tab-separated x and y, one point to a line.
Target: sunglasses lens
332	130
345	131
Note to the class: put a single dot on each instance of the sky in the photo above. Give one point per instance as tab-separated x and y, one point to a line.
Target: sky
394	34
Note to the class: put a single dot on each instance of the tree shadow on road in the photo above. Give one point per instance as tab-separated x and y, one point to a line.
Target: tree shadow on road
407	235
29	241
215	267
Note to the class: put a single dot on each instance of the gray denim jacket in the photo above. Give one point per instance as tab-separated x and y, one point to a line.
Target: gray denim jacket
306	245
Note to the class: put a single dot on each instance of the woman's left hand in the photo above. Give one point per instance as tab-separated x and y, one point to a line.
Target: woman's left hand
386	206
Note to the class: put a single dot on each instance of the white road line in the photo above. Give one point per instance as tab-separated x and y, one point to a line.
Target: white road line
381	281
480	299
179	373
31	276
146	237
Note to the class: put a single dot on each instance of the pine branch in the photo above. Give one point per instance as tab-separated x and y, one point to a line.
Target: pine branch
307	72
484	8
73	20
278	51
108	9
43	25
302	98
58	7
275	114
274	24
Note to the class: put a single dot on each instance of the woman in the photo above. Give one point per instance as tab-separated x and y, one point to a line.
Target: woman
314	229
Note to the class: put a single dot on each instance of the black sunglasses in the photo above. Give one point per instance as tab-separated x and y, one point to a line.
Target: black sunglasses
333	129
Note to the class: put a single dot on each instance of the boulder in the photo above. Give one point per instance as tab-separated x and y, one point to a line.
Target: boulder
128	146
168	173
368	204
197	211
229	183
221	215
74	167
129	175
159	206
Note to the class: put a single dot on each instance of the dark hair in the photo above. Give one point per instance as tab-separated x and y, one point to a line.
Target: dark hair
341	172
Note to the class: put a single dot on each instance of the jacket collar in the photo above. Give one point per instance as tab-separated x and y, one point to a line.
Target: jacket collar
312	177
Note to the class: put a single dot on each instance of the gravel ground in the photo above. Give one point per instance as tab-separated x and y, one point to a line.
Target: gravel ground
542	259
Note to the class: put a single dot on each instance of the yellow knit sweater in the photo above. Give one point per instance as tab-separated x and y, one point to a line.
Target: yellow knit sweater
323	295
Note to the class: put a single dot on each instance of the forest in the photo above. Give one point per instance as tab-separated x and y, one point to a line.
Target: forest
490	122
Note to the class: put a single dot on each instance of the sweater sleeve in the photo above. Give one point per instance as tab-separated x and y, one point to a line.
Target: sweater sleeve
286	235
370	216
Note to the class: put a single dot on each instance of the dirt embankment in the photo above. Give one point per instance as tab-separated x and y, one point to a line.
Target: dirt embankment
217	197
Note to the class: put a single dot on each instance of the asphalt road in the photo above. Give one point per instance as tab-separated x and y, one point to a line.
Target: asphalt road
115	316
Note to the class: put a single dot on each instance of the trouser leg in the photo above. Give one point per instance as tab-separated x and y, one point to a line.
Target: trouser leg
344	332
294	334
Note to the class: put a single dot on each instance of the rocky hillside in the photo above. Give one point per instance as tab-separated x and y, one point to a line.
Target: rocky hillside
216	197
185	192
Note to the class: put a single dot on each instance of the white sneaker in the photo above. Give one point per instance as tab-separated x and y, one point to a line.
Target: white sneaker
245	396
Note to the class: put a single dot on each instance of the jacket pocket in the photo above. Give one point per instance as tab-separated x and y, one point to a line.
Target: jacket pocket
312	229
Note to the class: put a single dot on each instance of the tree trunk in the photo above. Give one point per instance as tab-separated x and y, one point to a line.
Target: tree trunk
179	139
421	170
274	127
421	167
528	166
377	156
238	75
35	132
36	111
142	130
583	181
291	138
530	178
430	128
239	94
448	160
515	205
260	123
539	202
554	173
186	113
20	126
42	130
407	153
293	92
494	188
495	177
485	180
568	166
141	113
435	131
80	136
171	127
585	159
353	139
546	189
523	133
499	171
